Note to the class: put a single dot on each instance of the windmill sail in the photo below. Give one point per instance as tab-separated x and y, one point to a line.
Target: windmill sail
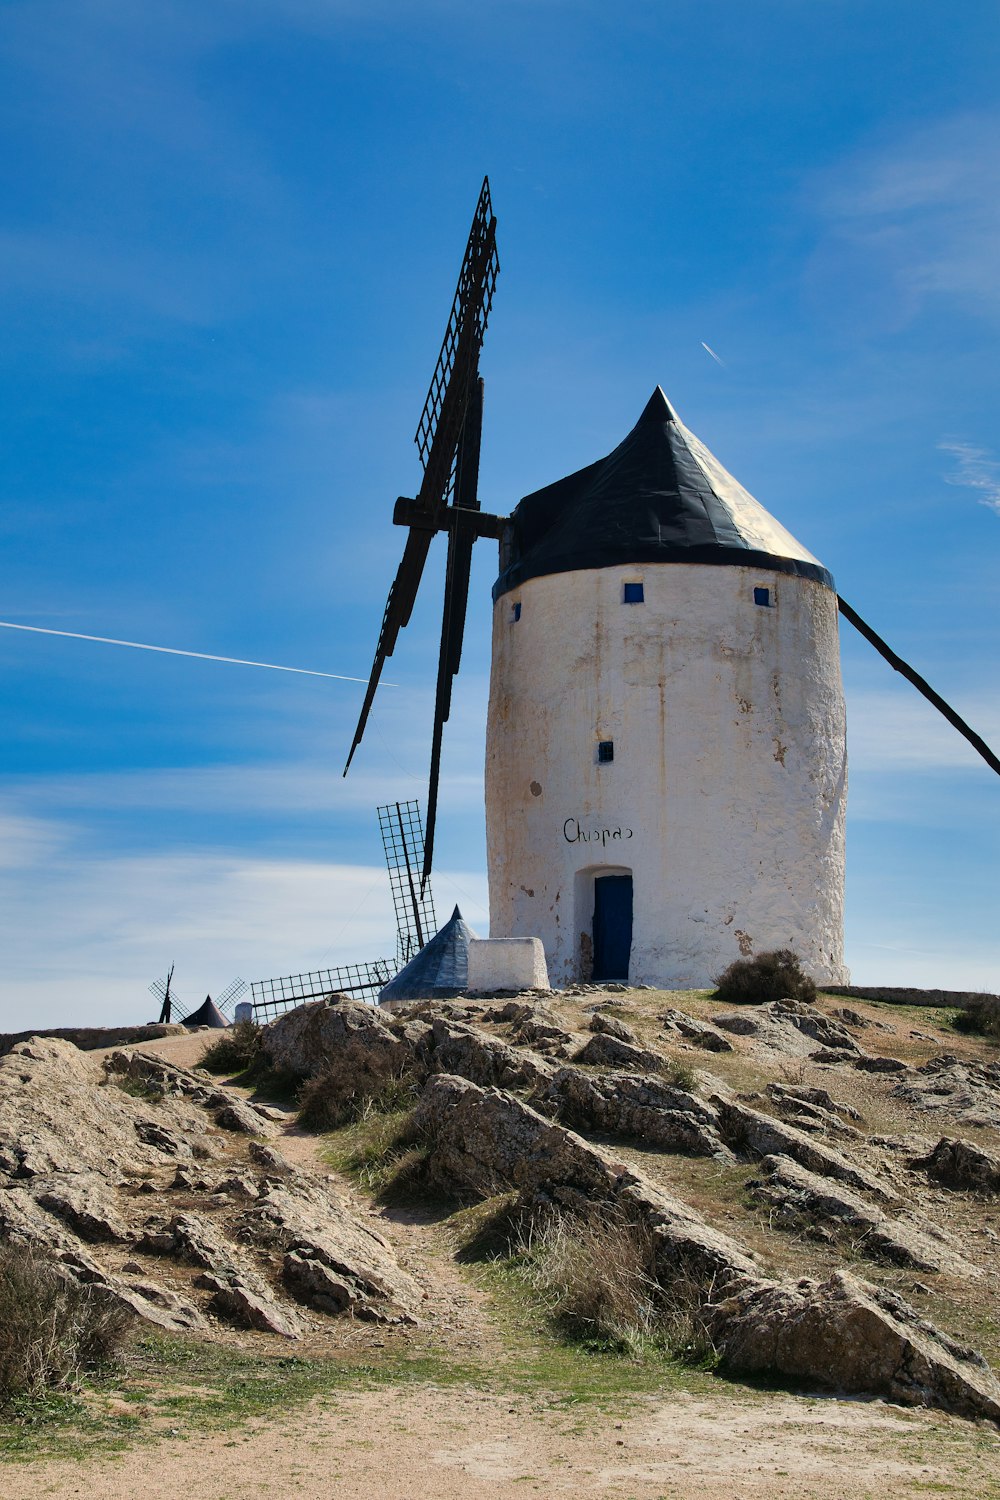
448	440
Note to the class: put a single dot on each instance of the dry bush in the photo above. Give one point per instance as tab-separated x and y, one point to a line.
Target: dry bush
342	1093
981	1015
52	1329
769	976
238	1049
596	1279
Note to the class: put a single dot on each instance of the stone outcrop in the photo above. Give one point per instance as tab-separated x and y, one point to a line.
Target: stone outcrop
850	1336
789	1027
700	1033
86	1149
800	1199
967	1091
750	1133
961	1164
607	1051
640	1107
843	1333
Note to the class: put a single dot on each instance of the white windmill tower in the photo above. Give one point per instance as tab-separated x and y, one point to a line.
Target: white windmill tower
666	770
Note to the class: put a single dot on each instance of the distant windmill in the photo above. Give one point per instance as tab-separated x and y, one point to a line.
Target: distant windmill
161	991
167	995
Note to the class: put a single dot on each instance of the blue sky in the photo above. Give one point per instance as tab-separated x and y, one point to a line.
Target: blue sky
229	237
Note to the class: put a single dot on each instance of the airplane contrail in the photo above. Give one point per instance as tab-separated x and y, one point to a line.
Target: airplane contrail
712	352
236	661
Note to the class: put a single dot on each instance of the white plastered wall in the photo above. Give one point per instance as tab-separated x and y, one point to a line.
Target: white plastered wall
726	796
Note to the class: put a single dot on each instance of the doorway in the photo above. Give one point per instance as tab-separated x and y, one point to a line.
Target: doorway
612	926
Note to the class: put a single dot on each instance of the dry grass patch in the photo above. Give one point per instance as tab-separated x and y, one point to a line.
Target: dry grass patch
52	1329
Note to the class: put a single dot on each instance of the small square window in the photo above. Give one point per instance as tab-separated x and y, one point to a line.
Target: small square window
762	596
605	751
633	594
515	613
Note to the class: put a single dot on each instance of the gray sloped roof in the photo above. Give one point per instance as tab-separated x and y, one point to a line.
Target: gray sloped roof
440	969
660	497
207	1014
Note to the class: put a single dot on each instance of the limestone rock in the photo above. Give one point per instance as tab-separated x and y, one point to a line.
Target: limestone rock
961	1164
789	1027
84	1202
643	1108
241	1303
237	1115
607	1025
485	1060
708	1038
796	1194
847	1335
750	1133
967	1091
607	1051
328	1254
356	1048
484	1141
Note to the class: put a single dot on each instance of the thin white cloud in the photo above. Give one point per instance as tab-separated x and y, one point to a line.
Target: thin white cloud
83	937
922	212
975	469
900	731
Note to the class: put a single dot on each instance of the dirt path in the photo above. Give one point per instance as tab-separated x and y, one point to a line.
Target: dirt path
433	1444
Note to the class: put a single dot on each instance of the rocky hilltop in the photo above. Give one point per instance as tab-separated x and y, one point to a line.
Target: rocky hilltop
820	1180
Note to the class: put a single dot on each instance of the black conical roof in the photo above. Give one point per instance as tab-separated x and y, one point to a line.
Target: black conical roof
207	1014
660	497
440	969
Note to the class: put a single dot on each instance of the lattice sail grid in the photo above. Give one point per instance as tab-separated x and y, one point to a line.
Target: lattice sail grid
403	840
361	981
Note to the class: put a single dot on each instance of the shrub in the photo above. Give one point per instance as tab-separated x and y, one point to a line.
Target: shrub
238	1050
596	1279
769	976
980	1014
51	1328
338	1095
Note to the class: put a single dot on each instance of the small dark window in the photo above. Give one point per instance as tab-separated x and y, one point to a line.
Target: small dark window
515	613
633	594
606	749
762	596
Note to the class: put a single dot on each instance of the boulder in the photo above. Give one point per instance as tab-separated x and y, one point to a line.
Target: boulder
961	1164
643	1108
607	1051
700	1033
849	1336
789	1027
605	1025
797	1196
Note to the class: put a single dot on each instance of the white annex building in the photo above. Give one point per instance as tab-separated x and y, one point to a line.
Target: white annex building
666	770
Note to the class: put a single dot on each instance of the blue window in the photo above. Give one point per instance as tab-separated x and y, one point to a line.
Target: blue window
762	596
515	613
633	594
605	750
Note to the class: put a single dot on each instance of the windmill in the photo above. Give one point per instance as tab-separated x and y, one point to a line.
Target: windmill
163	991
160	990
448	440
665	785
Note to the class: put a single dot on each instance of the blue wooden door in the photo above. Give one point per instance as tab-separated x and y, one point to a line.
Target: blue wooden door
612	926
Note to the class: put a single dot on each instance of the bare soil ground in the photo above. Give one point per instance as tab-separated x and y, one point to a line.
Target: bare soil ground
493	1438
